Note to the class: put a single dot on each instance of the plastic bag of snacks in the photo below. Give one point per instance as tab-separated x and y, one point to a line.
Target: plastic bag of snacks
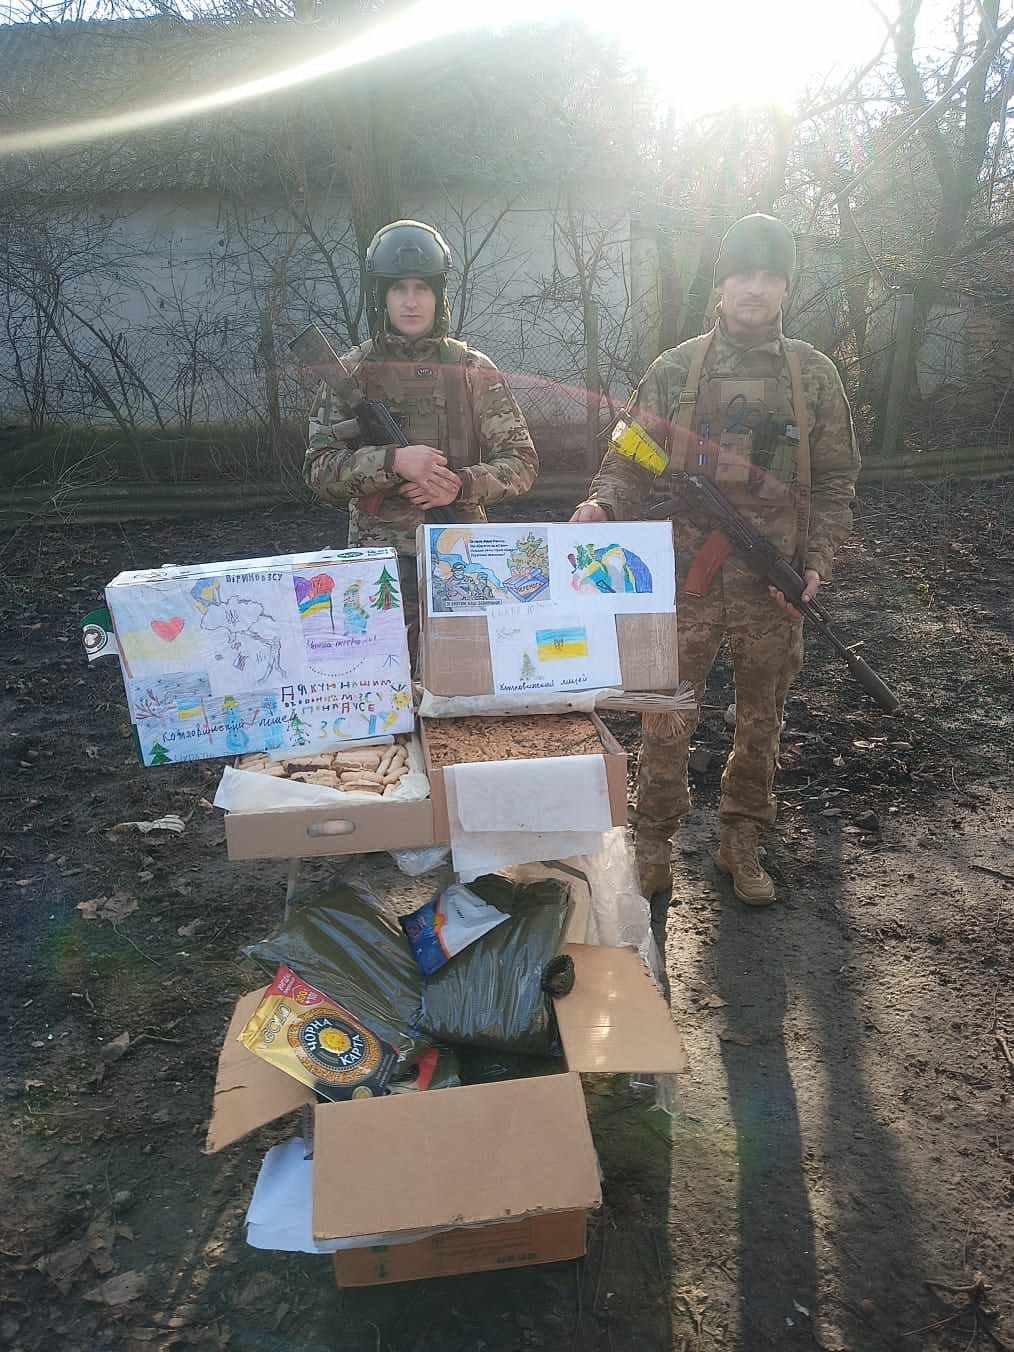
301	1031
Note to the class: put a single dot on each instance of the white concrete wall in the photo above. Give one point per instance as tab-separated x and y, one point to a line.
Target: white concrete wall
178	289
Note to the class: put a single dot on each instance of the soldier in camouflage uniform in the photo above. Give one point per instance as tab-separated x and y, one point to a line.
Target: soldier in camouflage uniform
470	444
767	419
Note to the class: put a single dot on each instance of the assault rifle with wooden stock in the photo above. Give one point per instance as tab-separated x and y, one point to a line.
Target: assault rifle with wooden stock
375	422
372	420
733	532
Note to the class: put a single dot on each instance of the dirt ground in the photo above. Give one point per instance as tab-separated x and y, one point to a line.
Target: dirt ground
841	1173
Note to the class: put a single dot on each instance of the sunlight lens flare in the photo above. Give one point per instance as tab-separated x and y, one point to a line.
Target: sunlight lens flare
425	23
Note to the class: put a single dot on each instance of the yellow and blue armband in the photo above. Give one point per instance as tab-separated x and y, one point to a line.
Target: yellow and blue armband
633	443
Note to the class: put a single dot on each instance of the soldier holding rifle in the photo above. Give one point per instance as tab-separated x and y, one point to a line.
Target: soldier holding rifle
764	418
467	443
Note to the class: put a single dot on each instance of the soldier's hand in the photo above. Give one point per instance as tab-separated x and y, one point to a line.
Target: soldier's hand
812	579
589	511
440	489
415	464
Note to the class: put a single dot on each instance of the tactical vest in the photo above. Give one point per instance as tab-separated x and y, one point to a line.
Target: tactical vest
427	397
750	436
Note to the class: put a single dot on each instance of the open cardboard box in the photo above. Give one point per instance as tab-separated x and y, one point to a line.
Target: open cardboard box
504	1173
300	833
612	753
454	649
359	827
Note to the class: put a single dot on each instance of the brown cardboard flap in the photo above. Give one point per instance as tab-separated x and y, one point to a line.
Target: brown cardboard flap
647	645
455	655
248	1091
456	658
506	1244
614	1020
452	1157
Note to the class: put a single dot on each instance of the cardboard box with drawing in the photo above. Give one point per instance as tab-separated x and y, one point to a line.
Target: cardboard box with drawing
283	652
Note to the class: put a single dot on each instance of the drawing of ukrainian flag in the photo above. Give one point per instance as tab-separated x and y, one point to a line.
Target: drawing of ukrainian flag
191	708
313	605
554	644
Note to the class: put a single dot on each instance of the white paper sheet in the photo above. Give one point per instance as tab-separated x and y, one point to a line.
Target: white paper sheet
248	791
622	566
469	569
559	793
474	853
548	648
617	566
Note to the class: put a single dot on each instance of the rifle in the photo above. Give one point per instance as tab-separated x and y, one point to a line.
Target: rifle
734	532
374	420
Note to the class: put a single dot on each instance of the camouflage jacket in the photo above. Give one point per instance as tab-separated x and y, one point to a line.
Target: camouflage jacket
623	486
443	394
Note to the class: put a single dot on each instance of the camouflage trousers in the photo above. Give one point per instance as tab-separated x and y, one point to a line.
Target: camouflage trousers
767	654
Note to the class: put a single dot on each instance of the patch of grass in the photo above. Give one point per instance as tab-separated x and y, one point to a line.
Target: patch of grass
68	458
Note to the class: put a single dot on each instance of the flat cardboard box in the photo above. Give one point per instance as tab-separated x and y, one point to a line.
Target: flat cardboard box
454	655
422	1161
612	753
454	650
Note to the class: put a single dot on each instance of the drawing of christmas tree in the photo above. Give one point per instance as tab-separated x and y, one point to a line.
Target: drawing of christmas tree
387	593
527	668
298	731
530	555
159	755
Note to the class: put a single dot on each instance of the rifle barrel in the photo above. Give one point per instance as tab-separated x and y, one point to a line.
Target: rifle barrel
770	566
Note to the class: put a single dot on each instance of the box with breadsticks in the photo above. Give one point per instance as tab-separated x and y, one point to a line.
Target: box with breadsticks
349	800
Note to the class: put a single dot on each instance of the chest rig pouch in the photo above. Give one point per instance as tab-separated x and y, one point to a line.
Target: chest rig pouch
739	433
747	443
427	398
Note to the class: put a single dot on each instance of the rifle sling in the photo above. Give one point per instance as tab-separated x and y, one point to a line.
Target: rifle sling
803	476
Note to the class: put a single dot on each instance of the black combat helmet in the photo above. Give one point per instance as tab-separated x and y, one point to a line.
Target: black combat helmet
406	249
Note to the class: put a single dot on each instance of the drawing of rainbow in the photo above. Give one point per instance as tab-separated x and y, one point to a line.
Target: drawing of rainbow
554	644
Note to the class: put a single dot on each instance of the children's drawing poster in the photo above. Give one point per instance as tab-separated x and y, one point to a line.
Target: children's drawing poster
620	566
614	566
261	654
546	648
471	569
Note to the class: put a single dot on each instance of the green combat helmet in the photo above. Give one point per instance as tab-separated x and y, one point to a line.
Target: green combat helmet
406	249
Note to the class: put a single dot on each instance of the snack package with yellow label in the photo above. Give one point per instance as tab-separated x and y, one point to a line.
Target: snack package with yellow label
303	1032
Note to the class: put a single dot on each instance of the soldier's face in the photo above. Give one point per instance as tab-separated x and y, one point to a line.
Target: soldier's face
751	300
411	307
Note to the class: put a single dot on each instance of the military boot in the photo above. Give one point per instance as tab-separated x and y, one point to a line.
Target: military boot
653	856
737	856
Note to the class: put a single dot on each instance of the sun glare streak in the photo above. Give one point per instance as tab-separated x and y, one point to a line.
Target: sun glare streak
426	23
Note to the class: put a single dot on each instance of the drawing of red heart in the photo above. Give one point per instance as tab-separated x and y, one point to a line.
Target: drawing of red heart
167	629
